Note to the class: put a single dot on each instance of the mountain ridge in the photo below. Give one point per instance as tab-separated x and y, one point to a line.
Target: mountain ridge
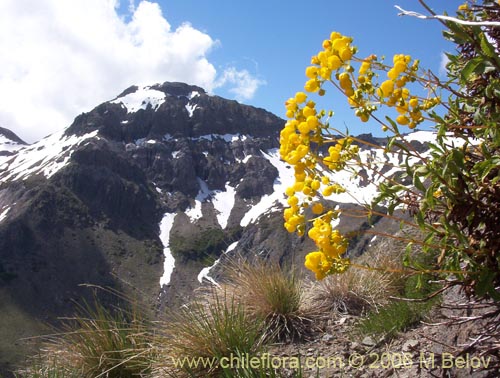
148	190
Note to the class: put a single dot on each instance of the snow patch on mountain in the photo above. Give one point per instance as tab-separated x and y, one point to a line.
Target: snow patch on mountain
229	138
204	273
195	213
223	202
421	136
4	213
47	156
268	202
244	160
141	99
193	94
9	145
169	264
191	108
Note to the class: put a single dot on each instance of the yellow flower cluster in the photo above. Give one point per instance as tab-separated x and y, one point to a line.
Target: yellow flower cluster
306	142
393	92
337	52
331	244
300	142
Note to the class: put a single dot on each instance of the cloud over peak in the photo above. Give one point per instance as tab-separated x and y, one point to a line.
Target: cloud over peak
60	58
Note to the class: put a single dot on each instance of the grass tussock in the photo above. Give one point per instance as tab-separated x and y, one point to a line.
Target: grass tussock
258	302
197	336
99	342
400	315
274	293
360	290
354	292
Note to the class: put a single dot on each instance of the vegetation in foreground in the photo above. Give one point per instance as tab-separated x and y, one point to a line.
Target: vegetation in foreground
258	306
454	202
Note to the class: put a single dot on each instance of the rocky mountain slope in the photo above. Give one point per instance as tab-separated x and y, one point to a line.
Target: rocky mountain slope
144	194
9	143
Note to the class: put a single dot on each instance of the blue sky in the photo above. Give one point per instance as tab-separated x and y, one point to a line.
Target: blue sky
275	40
65	57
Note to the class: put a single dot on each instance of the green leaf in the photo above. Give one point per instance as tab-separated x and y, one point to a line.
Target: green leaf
407	255
485	286
471	68
486	47
418	183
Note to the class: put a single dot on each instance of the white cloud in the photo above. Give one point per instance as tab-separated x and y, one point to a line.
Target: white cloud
60	58
442	65
245	85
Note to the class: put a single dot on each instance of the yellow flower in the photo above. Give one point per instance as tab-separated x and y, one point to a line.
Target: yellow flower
387	87
364	117
345	54
304	128
312	121
335	35
325	73
400	66
334	62
315	184
289	227
300	97
318	263
438	193
402	120
308	111
317	208
312	72
293	201
312	85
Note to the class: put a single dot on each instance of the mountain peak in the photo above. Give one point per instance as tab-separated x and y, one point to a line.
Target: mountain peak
9	142
168	88
175	109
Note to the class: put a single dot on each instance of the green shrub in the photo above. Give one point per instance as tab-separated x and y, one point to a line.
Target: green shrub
208	243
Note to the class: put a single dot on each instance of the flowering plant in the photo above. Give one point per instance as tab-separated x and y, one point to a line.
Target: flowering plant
454	196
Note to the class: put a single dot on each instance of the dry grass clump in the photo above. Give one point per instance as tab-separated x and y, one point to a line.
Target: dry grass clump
273	293
198	336
359	290
99	342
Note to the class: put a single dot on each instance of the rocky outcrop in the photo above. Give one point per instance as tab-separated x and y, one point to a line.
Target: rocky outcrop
8	134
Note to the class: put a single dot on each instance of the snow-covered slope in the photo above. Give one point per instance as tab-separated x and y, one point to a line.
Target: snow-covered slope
10	143
45	157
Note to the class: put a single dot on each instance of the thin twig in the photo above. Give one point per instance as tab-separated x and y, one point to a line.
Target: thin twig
445	18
